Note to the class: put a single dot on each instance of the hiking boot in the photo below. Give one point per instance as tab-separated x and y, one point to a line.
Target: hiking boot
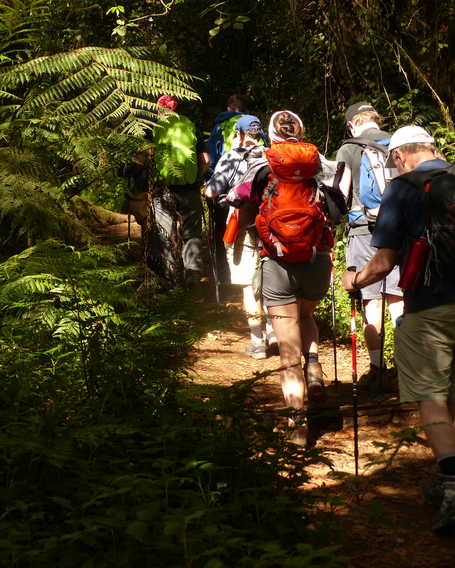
256	351
372	380
314	381
445	517
298	425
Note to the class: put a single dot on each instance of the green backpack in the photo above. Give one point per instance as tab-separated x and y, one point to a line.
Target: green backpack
228	132
175	151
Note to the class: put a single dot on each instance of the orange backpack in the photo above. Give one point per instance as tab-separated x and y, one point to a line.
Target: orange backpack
291	222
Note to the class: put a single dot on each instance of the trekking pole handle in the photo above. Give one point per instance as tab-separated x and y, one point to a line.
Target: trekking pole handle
356	294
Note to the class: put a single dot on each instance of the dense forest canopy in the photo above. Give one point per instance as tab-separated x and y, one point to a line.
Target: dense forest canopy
79	80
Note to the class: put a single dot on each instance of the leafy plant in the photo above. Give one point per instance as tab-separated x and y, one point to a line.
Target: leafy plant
108	458
102	85
20	22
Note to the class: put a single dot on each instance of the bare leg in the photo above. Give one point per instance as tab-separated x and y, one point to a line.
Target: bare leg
373	313
309	329
396	307
286	325
252	307
372	329
437	418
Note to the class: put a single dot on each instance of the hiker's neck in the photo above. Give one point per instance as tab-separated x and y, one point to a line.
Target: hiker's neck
359	129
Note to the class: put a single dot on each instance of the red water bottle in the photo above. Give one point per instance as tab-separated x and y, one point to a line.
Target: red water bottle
415	264
231	229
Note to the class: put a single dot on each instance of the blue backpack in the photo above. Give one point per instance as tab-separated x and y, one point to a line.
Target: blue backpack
223	129
373	179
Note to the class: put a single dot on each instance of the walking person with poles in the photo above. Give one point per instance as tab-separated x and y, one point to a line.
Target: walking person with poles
416	229
296	265
363	154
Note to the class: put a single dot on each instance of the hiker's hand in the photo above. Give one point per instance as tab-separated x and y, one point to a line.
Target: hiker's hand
347	281
209	193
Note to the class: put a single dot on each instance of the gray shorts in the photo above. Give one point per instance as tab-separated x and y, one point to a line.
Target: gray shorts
285	282
359	252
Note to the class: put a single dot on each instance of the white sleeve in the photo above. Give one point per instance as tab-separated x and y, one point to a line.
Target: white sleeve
225	171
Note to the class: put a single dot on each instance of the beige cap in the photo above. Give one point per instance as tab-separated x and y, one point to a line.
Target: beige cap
407	135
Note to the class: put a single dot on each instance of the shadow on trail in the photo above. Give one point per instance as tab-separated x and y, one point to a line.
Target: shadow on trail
380	516
336	411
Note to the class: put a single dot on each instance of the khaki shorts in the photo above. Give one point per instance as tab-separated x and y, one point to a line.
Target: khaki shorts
424	354
243	258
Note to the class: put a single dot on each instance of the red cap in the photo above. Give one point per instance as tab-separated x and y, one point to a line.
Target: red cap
167	101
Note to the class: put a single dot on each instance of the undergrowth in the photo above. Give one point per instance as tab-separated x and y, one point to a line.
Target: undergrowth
108	457
342	303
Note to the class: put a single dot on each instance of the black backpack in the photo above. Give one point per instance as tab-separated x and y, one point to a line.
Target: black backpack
439	188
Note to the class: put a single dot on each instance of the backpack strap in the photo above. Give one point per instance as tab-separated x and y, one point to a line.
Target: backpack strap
419	178
366	142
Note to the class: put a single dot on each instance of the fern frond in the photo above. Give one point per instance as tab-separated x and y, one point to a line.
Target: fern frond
61	63
94	92
82	79
20	23
4	95
106	85
25	288
25	164
34	209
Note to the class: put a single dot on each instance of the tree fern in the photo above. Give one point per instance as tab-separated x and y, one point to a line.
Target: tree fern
113	86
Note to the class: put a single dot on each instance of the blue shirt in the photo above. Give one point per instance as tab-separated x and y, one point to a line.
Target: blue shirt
401	219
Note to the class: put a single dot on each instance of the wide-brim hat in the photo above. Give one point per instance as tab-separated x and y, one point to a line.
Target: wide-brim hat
412	134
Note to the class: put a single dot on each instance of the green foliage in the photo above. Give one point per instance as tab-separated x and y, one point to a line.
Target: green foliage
83	117
108	459
445	140
343	306
20	22
32	209
112	86
175	150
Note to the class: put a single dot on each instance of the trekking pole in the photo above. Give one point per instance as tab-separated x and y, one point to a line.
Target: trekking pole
381	362
211	248
334	331
355	298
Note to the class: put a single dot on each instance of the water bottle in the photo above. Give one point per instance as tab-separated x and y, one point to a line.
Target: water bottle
415	264
231	229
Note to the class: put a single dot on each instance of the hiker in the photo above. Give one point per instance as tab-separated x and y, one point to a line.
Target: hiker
425	338
219	142
223	131
177	161
242	249
295	272
362	122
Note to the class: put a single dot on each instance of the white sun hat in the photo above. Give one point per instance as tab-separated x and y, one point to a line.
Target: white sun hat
407	135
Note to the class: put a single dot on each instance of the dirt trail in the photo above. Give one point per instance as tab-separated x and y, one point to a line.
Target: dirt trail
380	515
